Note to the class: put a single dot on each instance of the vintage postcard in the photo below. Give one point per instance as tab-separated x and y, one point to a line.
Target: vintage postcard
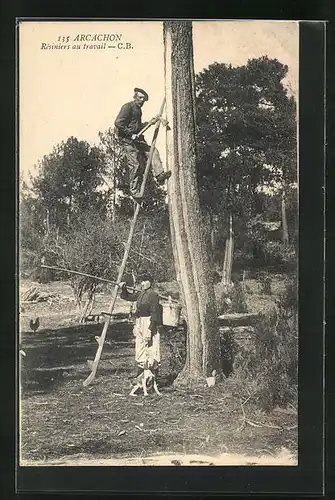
158	214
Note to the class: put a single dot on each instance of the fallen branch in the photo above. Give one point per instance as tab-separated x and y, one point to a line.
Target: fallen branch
237	319
40	403
258	424
248	398
31	294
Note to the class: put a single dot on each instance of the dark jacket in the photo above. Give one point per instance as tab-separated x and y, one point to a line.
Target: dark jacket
147	304
129	121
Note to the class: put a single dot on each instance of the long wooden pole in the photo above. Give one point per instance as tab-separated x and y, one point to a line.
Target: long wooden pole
70	271
94	365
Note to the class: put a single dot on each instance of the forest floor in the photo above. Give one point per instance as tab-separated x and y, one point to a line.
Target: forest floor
63	423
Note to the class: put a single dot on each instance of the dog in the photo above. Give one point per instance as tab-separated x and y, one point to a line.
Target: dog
146	380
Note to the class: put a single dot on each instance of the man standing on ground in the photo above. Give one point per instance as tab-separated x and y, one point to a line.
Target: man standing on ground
128	124
149	317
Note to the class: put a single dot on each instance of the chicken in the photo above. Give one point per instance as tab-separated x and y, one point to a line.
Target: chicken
34	325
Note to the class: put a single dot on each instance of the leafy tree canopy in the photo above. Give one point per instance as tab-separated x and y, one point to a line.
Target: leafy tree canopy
246	133
68	179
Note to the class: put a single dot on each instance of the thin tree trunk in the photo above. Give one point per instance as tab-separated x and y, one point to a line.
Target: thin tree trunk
192	260
47	222
285	236
228	258
212	227
114	195
68	217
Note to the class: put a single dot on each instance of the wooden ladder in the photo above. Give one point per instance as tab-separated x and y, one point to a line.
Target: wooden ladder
93	365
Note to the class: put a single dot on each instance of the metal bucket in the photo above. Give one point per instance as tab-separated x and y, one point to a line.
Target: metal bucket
171	314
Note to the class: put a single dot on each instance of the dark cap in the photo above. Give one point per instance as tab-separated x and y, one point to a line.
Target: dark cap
136	89
145	276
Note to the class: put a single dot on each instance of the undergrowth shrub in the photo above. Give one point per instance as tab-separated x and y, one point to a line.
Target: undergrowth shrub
275	363
270	372
279	256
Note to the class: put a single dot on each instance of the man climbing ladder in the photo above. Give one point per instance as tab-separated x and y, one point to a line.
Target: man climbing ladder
129	128
94	364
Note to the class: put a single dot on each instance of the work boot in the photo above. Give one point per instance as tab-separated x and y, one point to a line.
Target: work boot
161	178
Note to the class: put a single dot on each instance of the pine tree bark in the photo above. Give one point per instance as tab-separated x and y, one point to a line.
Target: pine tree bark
192	260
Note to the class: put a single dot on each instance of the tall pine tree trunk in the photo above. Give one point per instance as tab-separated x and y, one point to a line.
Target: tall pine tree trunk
193	265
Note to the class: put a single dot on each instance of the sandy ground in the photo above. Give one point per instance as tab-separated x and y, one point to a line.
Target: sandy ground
63	423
